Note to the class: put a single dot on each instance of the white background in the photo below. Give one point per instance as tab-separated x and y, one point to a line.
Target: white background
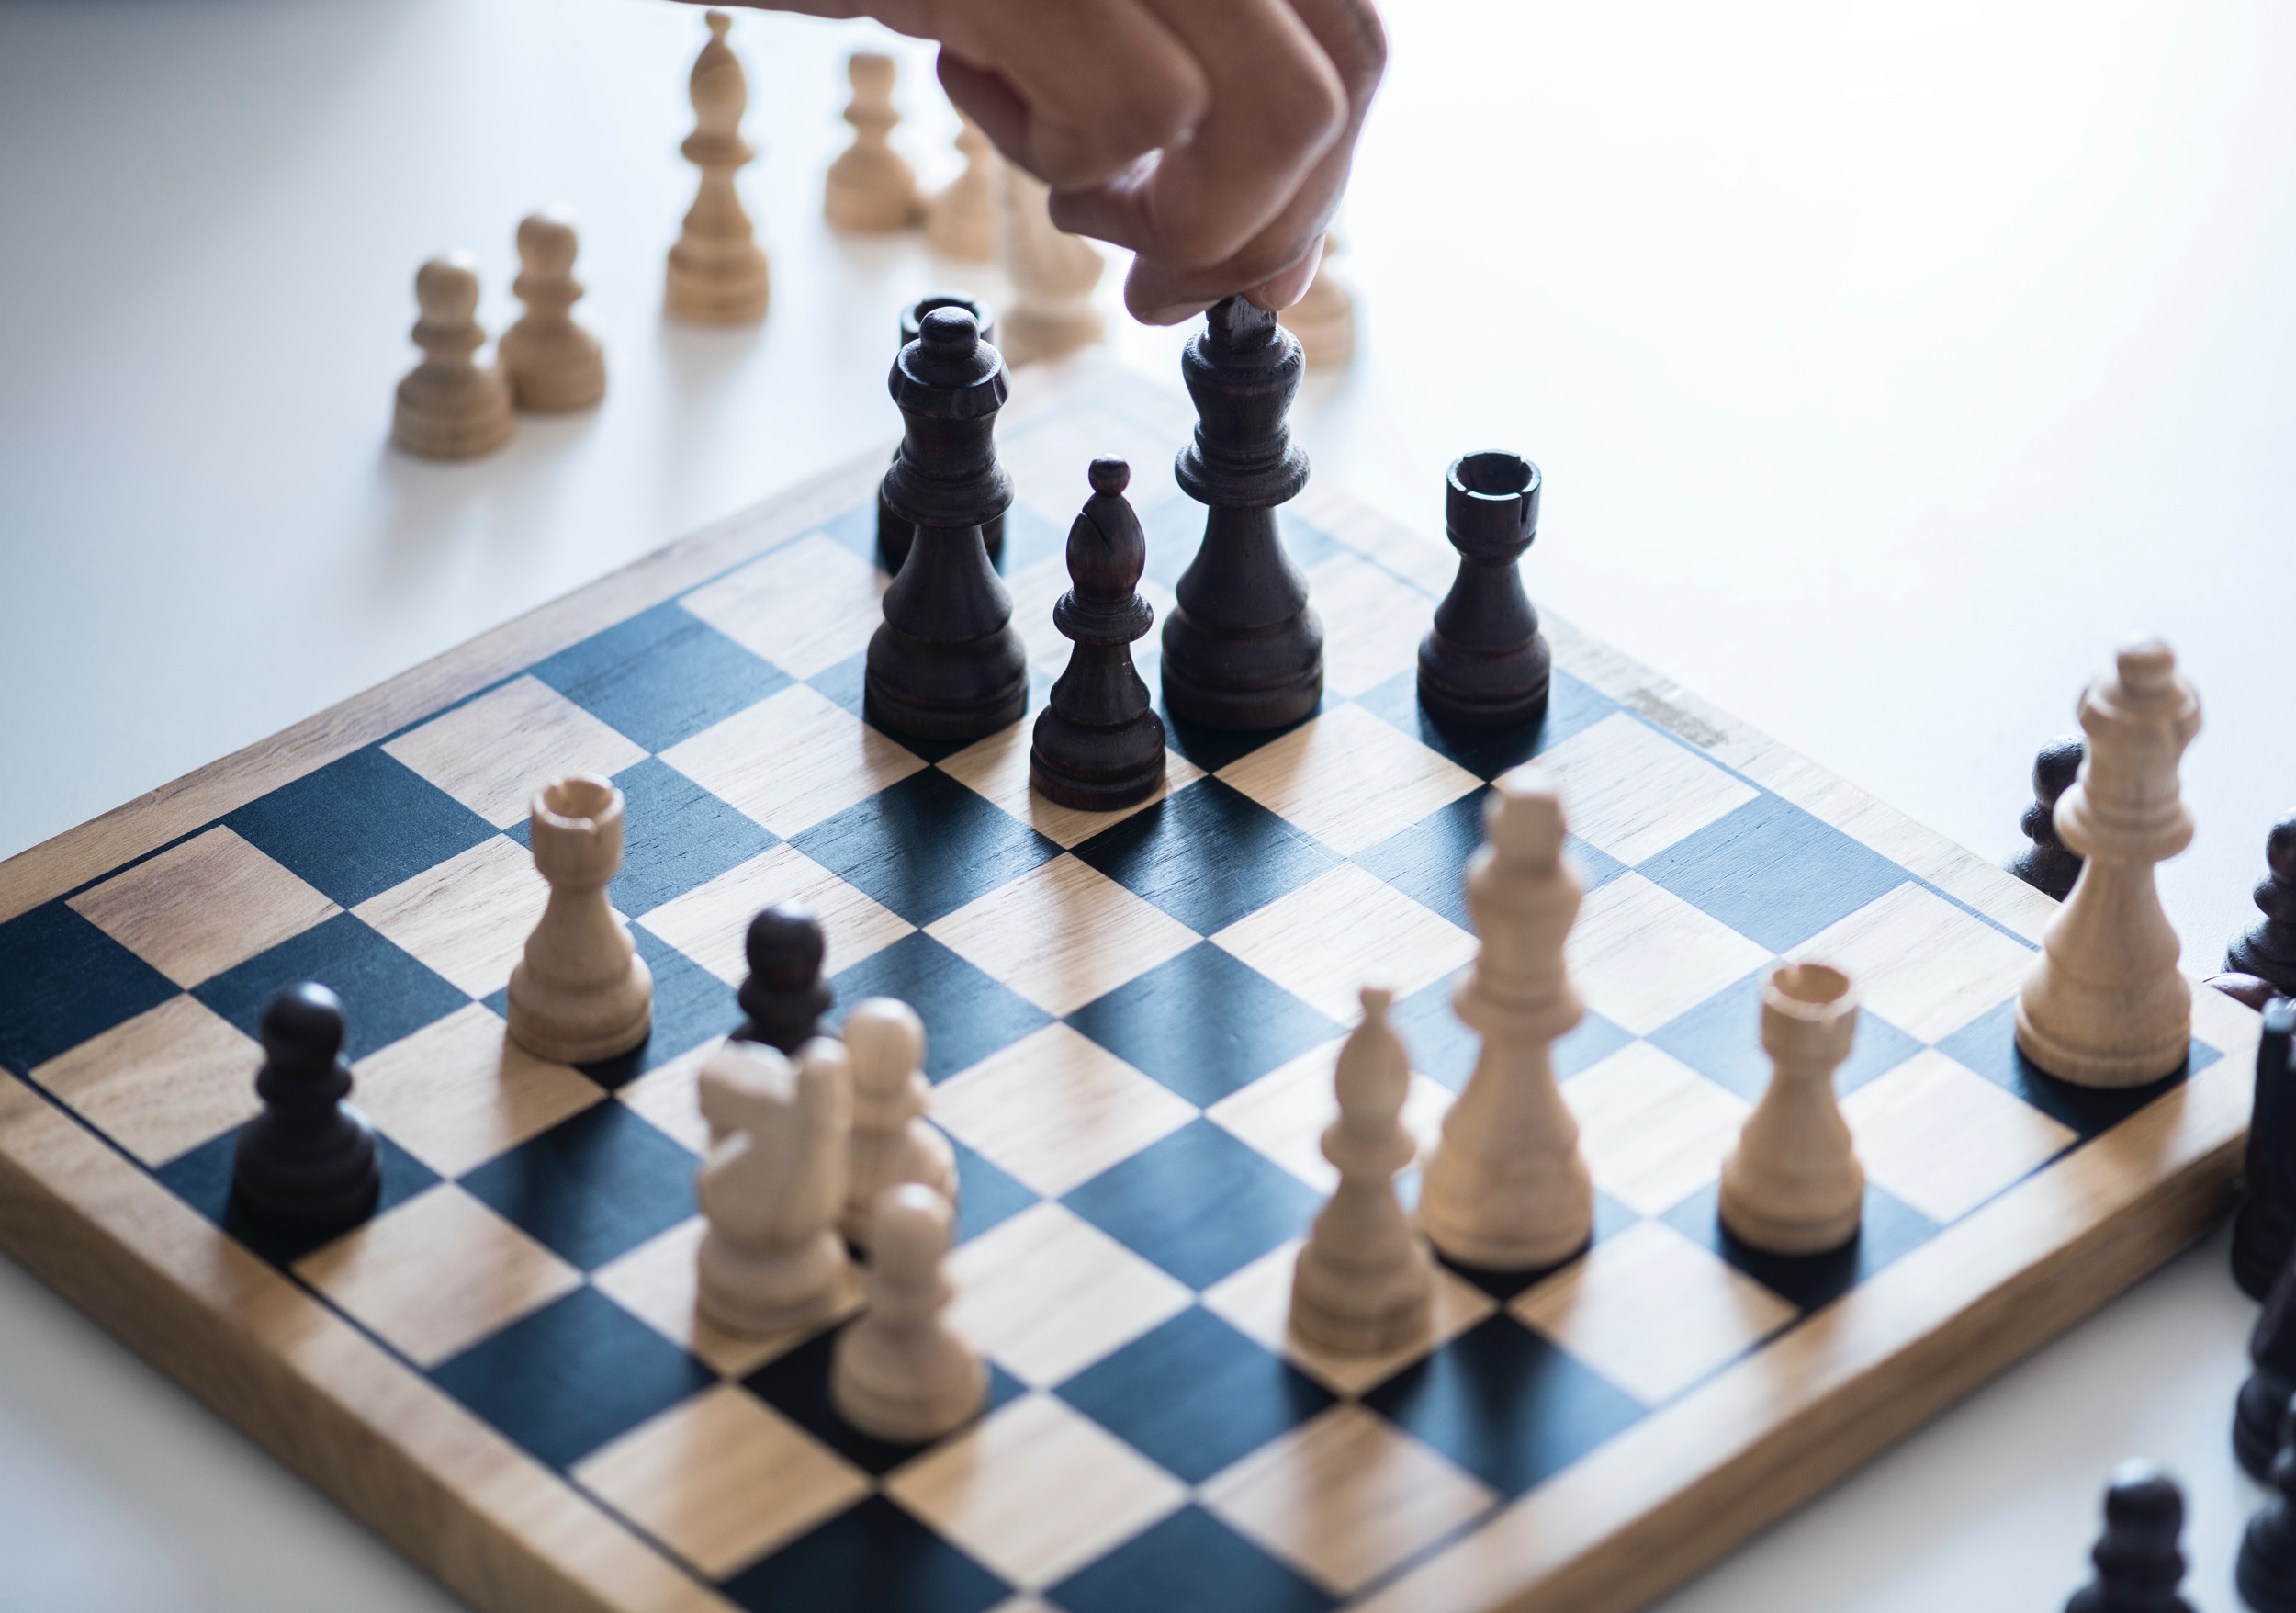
1887	364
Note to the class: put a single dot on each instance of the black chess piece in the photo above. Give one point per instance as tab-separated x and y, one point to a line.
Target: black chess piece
307	1162
946	663
785	995
2266	1569
894	534
1098	744
2271	1380
1244	650
2264	1231
2049	864
2138	1563
1485	663
2267	948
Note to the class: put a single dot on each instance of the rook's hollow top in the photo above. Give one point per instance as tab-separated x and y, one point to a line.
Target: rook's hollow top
1493	475
1809	991
576	801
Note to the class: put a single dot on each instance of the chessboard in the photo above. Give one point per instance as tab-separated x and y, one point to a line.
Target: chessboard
1133	1021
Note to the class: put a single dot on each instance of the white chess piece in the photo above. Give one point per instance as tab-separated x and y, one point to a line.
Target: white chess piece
581	992
717	274
552	362
893	1141
448	407
2105	1005
961	217
1792	1185
1507	1189
1324	316
1052	275
772	1185
1364	1283
871	187
898	1372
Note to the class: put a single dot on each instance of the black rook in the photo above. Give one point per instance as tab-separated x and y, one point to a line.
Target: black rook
1486	664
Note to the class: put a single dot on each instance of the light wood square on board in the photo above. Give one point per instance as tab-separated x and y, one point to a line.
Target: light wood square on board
1346	1496
1920	962
1036	588
1047	461
1349	779
805	607
1284	1113
162	1083
493	753
198	908
998	769
710	923
1632	792
1341	931
1036	1490
1055	1109
658	1283
1943	1138
1653	1130
791	760
1641	955
460	1091
1651	1310
1372	624
668	1096
1257	1303
722	1479
1046	1294
437	1272
467	918
1062	934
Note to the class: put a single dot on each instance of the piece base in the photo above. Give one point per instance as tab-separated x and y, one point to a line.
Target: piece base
1094	795
1245	710
899	715
2082	1067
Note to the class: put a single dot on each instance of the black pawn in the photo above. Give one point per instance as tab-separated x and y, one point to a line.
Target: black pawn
1099	745
307	1162
2049	864
893	533
784	996
1243	650
2267	948
2264	1231
946	663
2138	1564
1486	664
2271	1377
2266	1570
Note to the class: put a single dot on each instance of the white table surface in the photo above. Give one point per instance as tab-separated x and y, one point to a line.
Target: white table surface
1887	364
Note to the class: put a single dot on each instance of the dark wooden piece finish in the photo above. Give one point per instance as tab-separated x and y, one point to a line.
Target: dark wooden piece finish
2139	1565
893	533
1485	663
2049	864
307	1162
2264	1231
946	664
1243	649
2263	1396
784	995
2266	1569
1099	744
2267	948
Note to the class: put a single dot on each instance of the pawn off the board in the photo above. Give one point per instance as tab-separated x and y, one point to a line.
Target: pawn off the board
449	406
2139	1564
2048	865
871	189
552	362
717	272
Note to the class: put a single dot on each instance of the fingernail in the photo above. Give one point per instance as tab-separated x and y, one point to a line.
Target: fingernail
1170	313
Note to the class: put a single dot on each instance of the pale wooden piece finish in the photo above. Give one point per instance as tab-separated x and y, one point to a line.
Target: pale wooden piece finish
1792	1185
718	274
2105	1006
449	406
1324	316
1508	1188
1364	1283
899	1372
772	1186
552	362
893	1141
582	992
961	217
870	188
1053	274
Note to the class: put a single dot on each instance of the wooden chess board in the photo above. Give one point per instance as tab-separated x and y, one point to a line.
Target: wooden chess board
1132	1019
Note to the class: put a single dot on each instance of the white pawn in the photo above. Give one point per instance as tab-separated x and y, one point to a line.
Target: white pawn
871	189
1052	275
961	218
717	275
898	1374
2105	1005
1792	1185
1364	1283
772	1186
1508	1190
448	407
1324	316
552	362
579	992
893	1141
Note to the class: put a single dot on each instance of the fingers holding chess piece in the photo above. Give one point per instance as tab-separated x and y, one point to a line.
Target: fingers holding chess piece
892	1140
898	1372
307	1162
717	274
784	995
2266	949
449	406
1792	1185
580	992
552	362
2048	865
1099	744
772	1186
871	189
2139	1563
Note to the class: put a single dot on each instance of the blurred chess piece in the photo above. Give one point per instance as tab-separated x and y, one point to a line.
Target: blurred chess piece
1052	275
891	1141
772	1185
449	406
1324	320
1792	1185
717	275
961	218
871	189
552	362
579	992
900	1372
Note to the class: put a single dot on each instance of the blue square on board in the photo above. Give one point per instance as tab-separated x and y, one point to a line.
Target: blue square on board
1988	1045
358	826
1571	707
968	1013
62	981
845	683
594	1185
1721	1039
679	837
1773	873
573	1375
856	529
1030	538
926	846
1213	748
1208	855
796	1384
1204	1024
201	1177
1890	1228
986	1197
1198	1202
387	993
661	677
872	1556
691	1005
1189	1560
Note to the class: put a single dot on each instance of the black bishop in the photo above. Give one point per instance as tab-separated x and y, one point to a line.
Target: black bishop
1099	745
